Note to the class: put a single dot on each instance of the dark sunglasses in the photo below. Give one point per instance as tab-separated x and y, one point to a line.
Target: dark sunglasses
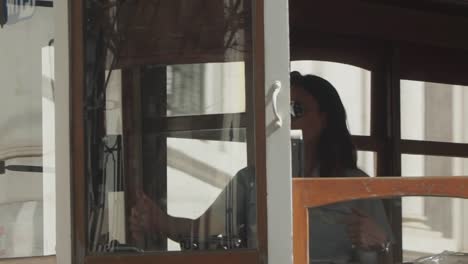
296	109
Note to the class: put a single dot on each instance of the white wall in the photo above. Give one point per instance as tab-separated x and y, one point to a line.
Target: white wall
22	77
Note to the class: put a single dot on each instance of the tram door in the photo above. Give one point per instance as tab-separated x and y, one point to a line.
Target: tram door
182	140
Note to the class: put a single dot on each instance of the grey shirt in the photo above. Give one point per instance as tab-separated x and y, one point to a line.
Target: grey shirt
236	207
329	241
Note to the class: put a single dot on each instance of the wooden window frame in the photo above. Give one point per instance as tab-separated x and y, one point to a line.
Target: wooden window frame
440	65
370	26
80	252
308	193
385	138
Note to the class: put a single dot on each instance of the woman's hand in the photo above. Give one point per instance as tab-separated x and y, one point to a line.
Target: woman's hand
364	232
147	218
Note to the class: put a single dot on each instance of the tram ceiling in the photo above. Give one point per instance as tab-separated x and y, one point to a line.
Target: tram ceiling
379	20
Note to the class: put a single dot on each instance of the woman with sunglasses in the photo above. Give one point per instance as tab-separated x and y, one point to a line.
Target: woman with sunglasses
317	110
350	231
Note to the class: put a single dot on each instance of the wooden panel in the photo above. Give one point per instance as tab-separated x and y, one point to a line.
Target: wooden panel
213	135
300	225
434	64
365	143
132	130
225	257
257	97
449	7
77	155
32	260
317	192
373	20
152	53
380	118
153	155
393	113
178	32
434	148
312	45
199	122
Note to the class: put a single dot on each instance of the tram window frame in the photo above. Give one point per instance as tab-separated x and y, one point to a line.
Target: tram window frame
171	124
396	61
315	36
329	190
365	54
440	65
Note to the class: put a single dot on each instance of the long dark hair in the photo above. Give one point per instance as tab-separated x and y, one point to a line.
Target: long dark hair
335	150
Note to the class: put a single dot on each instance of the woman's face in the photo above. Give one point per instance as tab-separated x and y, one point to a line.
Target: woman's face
312	121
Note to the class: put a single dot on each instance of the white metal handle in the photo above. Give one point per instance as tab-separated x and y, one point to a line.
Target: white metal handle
276	91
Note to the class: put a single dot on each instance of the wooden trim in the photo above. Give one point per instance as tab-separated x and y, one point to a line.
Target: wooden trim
77	132
309	193
170	59
80	249
213	135
311	45
385	115
322	191
373	20
432	64
260	127
433	148
392	151
378	99
198	122
365	143
300	227
154	156
228	257
30	260
394	114
449	7
379	117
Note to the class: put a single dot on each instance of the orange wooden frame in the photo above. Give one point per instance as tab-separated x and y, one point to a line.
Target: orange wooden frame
309	193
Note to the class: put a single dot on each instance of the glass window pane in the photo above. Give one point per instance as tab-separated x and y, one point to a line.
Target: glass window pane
169	136
202	179
27	129
433	112
366	162
432	225
210	88
364	231
357	231
420	165
353	85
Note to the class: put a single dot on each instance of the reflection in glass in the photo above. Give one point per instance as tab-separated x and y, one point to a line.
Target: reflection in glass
353	86
433	112
210	88
349	232
432	225
425	165
27	131
169	142
339	232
